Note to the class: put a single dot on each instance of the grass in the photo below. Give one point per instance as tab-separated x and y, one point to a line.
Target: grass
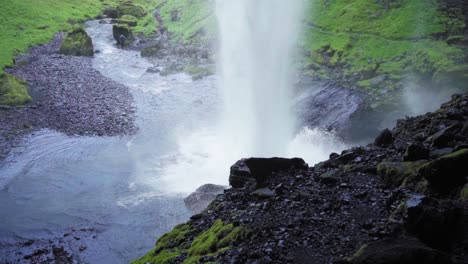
26	23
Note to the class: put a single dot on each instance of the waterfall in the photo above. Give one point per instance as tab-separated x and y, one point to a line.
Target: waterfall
256	42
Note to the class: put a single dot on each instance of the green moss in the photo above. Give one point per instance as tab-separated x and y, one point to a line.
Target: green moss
13	91
131	21
160	258
217	238
399	173
131	9
26	23
208	243
358	253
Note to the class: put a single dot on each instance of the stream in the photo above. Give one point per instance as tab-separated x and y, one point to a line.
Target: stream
106	199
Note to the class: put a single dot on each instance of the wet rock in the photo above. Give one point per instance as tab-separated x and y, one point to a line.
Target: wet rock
153	70
447	172
385	138
77	43
398	251
151	51
416	152
440	152
444	136
436	223
395	174
202	197
257	171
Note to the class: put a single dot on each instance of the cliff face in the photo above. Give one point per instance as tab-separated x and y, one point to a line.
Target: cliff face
402	199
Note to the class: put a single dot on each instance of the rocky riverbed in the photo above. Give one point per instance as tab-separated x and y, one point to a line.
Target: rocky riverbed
402	199
69	96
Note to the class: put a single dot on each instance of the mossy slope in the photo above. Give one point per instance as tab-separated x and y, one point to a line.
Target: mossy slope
188	245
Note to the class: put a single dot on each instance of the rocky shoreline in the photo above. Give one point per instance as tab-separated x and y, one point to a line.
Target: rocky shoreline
69	96
402	199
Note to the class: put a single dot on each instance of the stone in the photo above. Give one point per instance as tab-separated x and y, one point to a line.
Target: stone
111	12
384	138
128	20
447	172
13	91
436	223
264	193
398	251
77	43
440	152
202	197
444	136
395	174
255	172
416	152
330	177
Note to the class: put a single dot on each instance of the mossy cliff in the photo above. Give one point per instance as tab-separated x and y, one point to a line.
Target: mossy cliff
378	45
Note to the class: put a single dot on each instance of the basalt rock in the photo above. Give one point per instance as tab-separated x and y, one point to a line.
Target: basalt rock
257	171
384	138
416	152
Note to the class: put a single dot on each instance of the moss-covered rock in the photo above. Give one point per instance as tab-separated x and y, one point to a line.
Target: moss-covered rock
122	29
129	20
129	8
77	43
447	172
13	91
198	72
395	174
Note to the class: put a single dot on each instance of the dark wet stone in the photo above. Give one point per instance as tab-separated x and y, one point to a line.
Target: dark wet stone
202	197
385	138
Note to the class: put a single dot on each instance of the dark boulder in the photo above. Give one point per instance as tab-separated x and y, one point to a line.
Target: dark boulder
202	197
385	138
447	172
255	172
437	223
443	137
398	251
111	12
77	43
416	152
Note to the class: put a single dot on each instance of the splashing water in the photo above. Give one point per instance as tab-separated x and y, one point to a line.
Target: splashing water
257	39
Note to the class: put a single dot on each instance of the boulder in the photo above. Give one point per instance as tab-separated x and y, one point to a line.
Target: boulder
330	177
447	172
128	20
416	152
151	51
443	137
255	172
121	29
13	90
111	12
437	223
77	43
129	8
385	138
398	251
202	197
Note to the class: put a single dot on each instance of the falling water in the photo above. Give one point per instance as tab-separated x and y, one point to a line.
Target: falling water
256	42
